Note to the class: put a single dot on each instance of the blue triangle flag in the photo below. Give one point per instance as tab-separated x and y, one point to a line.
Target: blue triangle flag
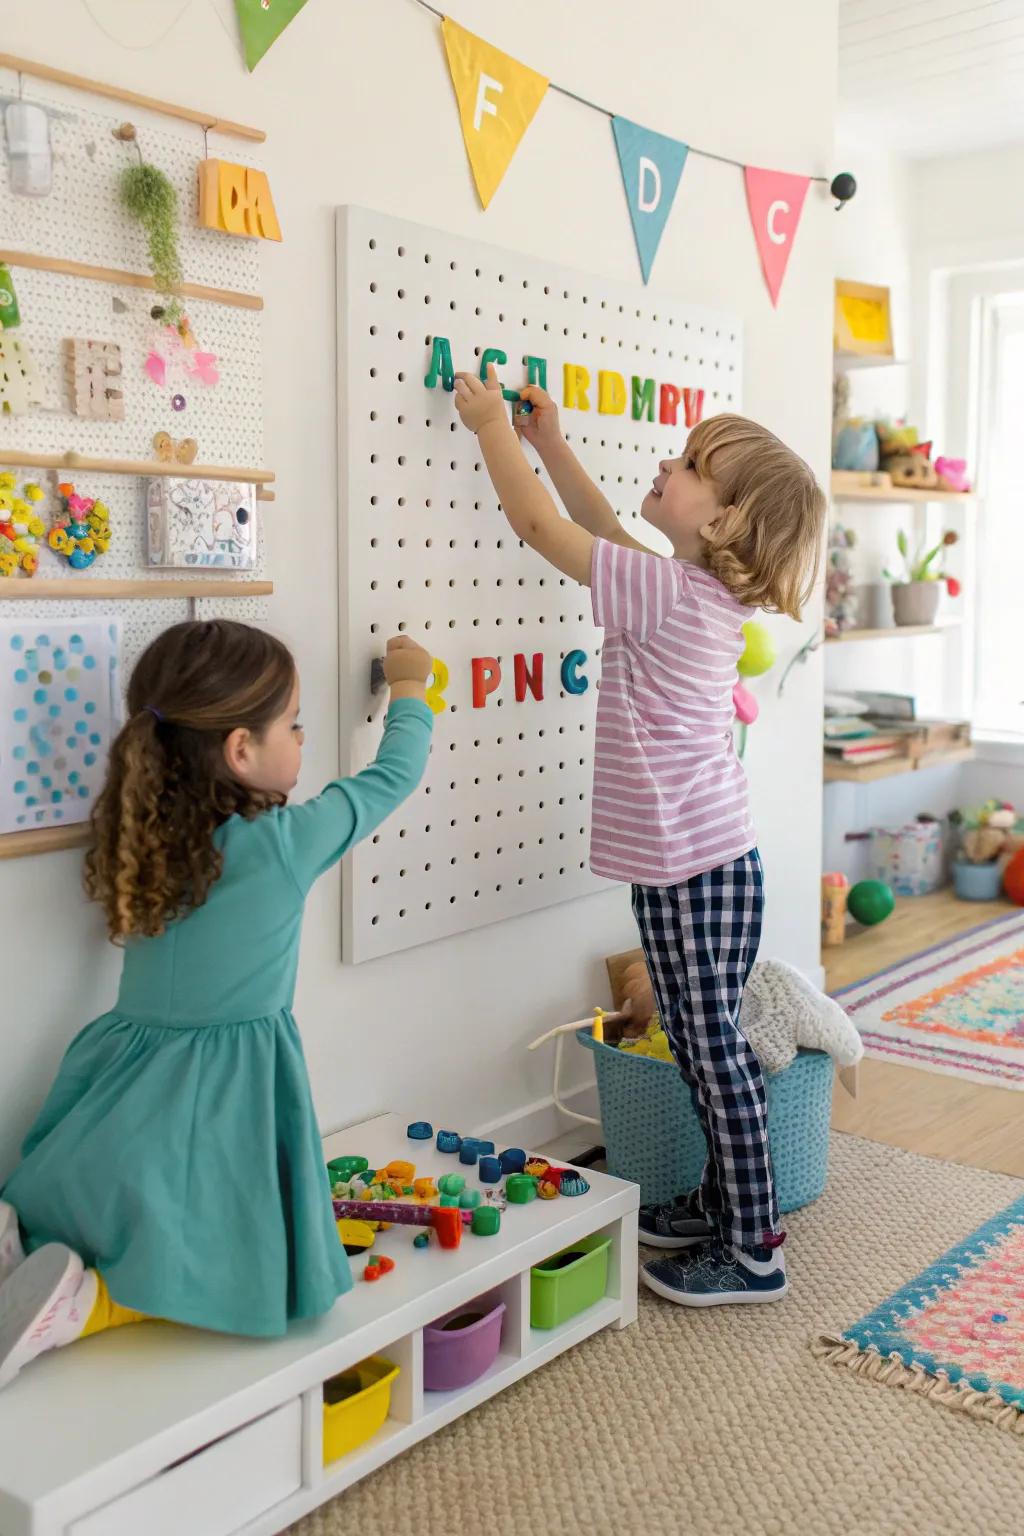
651	166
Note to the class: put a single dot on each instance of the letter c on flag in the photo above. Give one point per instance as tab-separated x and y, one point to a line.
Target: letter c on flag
776	236
645	204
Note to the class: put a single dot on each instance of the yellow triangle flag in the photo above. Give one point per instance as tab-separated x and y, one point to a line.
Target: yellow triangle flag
497	99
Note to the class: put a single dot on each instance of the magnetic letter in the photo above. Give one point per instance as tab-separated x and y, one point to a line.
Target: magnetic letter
486	677
669	405
438	683
537	371
534	680
441	365
575	383
643	398
500	358
572	682
693	405
611	393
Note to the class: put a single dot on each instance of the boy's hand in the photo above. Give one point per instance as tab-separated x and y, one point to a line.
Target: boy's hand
540	426
407	662
477	403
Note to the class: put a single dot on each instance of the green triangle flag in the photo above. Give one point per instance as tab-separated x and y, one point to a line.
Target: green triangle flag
261	23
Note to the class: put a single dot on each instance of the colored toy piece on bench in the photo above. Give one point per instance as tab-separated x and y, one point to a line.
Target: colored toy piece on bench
537	1167
513	1160
486	1221
448	1200
451	1183
490	1170
483	1148
573	1183
424	1189
421	1240
447	1224
520	1188
397	1172
547	1189
420	1130
468	1153
448	1141
470	1199
347	1167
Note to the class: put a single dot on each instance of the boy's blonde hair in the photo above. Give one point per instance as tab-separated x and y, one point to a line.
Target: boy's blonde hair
766	544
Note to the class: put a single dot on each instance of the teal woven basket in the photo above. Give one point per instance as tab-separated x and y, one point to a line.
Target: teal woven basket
653	1137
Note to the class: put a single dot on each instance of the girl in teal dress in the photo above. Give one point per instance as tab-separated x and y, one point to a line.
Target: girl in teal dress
175	1170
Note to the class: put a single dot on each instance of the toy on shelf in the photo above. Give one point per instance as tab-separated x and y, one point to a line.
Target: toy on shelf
905	459
175	356
420	1130
93	370
855	446
447	1221
448	1141
835	891
512	1160
953	474
572	1183
840	596
520	1188
170	450
381	1265
80	531
21	527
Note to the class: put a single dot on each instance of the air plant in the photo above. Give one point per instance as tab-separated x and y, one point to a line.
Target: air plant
149	197
925	564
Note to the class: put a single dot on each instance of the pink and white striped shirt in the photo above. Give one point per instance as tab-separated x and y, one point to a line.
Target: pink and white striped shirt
670	795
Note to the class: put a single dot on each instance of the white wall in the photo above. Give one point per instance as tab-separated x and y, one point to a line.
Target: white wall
358	108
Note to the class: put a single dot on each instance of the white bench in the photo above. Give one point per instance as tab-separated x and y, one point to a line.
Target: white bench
168	1430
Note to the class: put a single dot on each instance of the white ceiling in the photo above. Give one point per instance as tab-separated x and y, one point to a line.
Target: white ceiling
930	77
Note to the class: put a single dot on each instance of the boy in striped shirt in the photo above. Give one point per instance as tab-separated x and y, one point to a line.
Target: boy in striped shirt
671	813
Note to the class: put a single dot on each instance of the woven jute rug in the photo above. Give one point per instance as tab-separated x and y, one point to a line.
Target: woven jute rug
723	1422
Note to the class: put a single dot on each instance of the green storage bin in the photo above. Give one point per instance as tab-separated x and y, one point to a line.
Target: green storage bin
560	1288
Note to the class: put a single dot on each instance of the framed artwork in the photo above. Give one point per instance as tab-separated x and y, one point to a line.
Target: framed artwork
201	523
862	326
60	709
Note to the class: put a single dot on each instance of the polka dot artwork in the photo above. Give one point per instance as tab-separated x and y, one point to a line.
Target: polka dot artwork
51	762
501	824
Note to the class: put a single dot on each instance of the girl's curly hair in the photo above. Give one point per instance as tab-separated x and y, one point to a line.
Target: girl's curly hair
168	787
766	545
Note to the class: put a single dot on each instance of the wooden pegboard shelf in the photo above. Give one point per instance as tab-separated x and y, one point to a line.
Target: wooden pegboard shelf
207	120
77	588
60	264
14	458
20	845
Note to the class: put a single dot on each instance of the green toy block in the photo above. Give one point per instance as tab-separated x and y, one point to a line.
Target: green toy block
520	1188
449	1200
451	1183
470	1199
486	1221
347	1167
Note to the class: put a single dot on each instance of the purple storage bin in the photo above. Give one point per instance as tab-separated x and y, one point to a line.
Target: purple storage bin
459	1347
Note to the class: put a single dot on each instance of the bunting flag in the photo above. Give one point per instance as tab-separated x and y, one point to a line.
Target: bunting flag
497	99
261	23
651	166
775	200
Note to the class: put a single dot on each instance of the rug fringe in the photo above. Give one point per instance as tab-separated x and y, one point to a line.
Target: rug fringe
890	1371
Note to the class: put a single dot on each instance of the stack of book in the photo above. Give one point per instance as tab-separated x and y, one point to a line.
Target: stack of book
886	726
852	739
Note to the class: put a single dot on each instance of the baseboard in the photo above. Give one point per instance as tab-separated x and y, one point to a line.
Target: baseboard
535	1125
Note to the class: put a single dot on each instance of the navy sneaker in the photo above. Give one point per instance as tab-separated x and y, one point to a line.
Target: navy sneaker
714	1275
678	1224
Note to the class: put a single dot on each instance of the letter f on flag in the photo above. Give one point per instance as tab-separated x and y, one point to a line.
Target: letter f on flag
497	99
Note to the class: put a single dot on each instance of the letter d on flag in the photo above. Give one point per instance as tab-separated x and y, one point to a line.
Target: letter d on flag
651	166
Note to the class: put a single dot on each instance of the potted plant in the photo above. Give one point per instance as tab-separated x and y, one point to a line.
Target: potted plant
916	589
989	836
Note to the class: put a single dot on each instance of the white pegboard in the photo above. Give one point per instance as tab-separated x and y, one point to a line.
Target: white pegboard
501	825
82	220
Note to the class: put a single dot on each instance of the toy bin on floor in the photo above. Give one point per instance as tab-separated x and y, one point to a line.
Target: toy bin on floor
653	1137
569	1282
356	1404
461	1346
977	882
909	859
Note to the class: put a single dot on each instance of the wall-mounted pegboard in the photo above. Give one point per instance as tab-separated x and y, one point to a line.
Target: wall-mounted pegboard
501	824
81	222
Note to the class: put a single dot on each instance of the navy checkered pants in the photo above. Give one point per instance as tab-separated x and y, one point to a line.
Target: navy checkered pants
701	938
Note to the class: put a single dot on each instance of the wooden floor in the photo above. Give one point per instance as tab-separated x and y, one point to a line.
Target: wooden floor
926	1112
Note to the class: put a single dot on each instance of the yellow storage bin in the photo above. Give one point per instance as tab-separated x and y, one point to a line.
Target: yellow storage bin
356	1405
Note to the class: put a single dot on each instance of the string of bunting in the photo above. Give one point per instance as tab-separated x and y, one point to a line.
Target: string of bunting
499	96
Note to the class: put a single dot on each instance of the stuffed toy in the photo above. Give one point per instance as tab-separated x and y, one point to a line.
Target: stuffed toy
905	460
989	833
637	1000
952	474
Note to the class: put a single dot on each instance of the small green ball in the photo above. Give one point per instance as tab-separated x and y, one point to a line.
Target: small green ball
870	902
759	653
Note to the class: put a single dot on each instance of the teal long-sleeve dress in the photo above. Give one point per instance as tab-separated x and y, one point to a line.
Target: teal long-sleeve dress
178	1150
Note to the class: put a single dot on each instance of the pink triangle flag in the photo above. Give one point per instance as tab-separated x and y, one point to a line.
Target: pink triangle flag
775	200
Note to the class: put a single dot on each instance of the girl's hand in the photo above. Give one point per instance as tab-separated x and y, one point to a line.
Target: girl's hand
540	426
480	404
407	662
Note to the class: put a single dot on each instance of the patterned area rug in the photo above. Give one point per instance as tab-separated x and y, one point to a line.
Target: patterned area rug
955	1334
957	1008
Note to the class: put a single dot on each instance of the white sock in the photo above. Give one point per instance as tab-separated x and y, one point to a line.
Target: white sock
72	1316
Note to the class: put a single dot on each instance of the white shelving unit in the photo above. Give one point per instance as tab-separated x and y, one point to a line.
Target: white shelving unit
169	1430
